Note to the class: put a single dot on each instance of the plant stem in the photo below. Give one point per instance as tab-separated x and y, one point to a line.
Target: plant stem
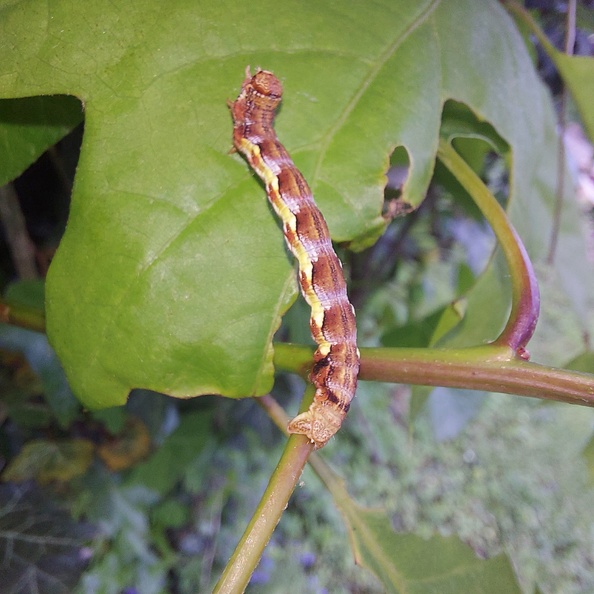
331	480
295	358
21	247
486	367
525	295
246	556
22	316
562	122
560	60
520	11
480	368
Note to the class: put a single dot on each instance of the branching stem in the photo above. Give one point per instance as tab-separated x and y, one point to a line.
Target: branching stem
487	367
525	295
274	501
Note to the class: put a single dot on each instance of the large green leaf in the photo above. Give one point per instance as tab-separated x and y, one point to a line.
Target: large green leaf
172	274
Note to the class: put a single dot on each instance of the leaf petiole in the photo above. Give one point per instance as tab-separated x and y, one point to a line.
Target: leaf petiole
525	295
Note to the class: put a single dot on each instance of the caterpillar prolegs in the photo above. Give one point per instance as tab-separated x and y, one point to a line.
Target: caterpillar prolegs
332	322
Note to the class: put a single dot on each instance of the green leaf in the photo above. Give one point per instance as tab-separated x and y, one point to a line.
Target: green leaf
409	564
583	362
30	293
170	514
45	364
47	461
113	418
576	71
424	332
29	126
130	556
167	465
173	274
42	548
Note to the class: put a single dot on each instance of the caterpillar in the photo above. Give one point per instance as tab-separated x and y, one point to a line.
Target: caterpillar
332	323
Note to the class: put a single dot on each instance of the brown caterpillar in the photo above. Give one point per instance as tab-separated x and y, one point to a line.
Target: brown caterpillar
332	323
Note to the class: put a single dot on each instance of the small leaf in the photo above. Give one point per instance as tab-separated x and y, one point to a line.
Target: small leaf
417	333
44	362
424	332
29	126
583	362
170	514
576	71
127	448
30	293
47	461
167	465
409	564
113	419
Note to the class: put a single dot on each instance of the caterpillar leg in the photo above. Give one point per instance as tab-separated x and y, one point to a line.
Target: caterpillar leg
319	423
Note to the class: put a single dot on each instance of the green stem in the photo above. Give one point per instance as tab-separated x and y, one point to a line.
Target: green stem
559	59
331	480
295	358
525	296
523	14
248	552
487	367
20	315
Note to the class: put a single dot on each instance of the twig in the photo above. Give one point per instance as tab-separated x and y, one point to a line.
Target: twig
562	121
274	501
21	246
